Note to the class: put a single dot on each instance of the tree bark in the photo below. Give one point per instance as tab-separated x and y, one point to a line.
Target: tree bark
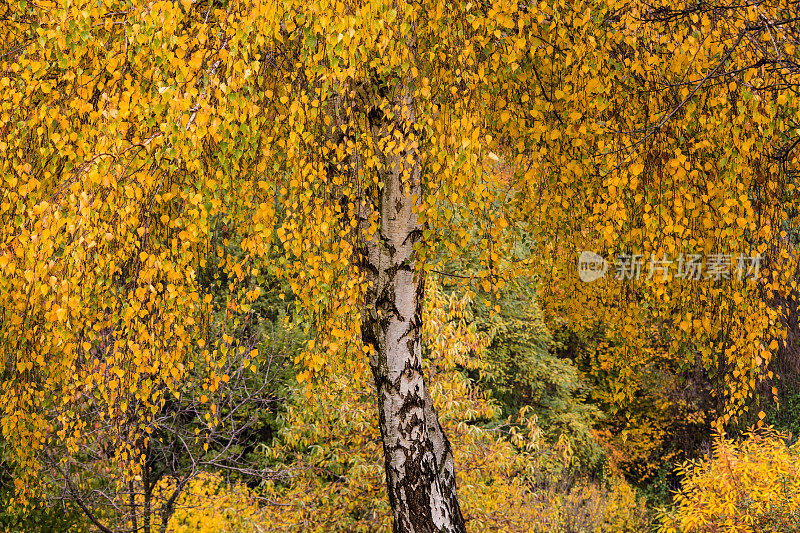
420	472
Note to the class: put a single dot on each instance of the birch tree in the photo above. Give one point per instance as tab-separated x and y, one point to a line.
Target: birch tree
354	144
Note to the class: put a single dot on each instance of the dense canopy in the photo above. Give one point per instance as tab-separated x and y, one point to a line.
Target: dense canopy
195	190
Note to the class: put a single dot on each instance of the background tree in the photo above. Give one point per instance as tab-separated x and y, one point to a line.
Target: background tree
749	485
215	421
680	134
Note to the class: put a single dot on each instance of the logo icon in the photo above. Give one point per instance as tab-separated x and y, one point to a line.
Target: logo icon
591	266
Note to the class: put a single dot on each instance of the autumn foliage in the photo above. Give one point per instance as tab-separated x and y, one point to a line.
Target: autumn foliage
751	485
216	215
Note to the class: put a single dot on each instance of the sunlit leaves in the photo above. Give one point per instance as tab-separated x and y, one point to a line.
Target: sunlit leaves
138	137
751	485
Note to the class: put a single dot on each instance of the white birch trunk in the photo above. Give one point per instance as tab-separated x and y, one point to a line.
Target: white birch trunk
419	465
